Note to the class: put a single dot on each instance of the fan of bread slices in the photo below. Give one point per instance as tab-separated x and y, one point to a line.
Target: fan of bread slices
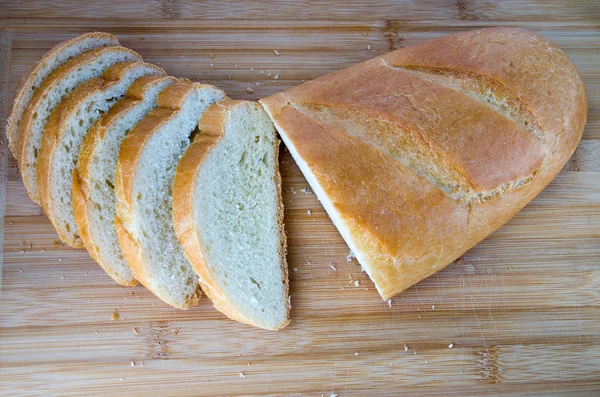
416	155
129	162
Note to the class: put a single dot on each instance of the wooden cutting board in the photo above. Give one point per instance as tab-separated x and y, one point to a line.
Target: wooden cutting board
518	314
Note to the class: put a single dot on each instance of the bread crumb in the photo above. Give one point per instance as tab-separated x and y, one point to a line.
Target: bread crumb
350	256
62	276
23	243
389	302
242	375
135	331
334	395
43	250
292	190
96	332
249	90
212	56
451	345
121	379
305	190
308	263
357	283
60	259
211	64
355	353
228	77
11	222
276	77
22	252
58	243
405	347
333	268
369	47
175	331
276	52
308	212
295	269
132	364
115	315
432	307
269	74
365	34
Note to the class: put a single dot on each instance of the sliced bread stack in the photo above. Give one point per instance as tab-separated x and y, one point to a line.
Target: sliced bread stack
67	126
99	135
144	178
93	181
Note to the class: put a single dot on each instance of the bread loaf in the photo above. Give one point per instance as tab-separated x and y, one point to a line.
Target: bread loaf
40	70
419	154
94	178
143	185
228	214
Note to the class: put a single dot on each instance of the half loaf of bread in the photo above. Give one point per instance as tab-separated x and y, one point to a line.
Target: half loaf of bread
419	154
228	214
143	185
40	70
49	95
93	179
67	126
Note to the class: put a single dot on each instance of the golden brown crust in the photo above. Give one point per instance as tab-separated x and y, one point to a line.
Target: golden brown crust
17	106
212	128
24	135
170	100
467	102
81	175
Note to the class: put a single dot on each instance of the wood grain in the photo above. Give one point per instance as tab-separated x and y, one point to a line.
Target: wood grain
521	310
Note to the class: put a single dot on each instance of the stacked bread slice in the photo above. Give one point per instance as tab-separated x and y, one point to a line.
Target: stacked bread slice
98	135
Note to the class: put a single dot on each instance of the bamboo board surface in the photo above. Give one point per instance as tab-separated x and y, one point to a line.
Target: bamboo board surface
520	310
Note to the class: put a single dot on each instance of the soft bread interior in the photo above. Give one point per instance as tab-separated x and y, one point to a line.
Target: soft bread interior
57	92
236	210
170	275
73	130
49	63
101	211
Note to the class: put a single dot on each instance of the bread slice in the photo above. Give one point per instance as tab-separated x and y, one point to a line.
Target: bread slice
143	184
39	71
421	153
60	82
67	126
93	179
228	214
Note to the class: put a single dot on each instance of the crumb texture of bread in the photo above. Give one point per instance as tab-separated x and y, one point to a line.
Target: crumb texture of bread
39	71
50	94
93	182
147	162
69	124
421	153
237	214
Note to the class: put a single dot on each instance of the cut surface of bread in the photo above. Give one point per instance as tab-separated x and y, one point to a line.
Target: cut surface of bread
419	154
67	126
49	95
143	185
93	180
228	214
39	71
